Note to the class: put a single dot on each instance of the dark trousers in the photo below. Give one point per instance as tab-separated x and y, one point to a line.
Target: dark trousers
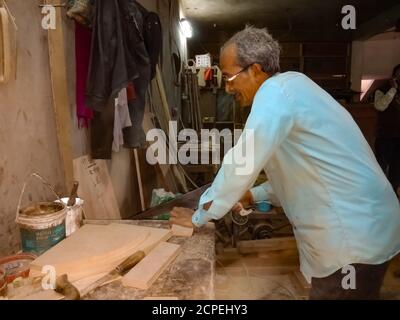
368	282
388	155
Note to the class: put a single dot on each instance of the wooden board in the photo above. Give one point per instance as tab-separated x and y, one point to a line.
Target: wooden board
179	231
59	81
96	249
267	245
43	295
147	271
95	188
160	298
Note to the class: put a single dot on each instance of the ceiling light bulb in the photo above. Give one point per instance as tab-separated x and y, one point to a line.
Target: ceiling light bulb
187	29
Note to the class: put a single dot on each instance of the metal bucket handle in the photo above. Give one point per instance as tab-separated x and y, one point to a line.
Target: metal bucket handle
44	181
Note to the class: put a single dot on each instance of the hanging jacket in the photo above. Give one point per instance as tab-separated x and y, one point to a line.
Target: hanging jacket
119	57
118	50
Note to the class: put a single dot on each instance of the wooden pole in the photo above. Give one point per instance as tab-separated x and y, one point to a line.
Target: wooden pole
139	179
60	94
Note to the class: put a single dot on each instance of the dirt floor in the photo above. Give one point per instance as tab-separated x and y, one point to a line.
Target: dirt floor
275	276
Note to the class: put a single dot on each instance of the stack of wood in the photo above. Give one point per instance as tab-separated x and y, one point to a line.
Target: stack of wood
95	250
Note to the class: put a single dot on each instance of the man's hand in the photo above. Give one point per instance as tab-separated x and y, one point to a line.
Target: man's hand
237	208
247	199
182	216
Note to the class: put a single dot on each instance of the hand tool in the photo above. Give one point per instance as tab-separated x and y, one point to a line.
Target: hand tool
73	195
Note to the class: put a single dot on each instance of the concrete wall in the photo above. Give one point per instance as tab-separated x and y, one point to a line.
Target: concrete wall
28	140
375	58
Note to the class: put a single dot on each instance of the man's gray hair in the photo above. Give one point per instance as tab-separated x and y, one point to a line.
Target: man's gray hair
256	45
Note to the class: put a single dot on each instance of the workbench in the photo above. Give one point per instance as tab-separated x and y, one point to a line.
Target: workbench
189	277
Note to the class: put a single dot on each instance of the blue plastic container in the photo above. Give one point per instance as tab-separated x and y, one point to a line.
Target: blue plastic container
263	206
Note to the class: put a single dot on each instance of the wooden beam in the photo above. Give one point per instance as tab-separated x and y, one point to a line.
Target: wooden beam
267	245
380	23
61	101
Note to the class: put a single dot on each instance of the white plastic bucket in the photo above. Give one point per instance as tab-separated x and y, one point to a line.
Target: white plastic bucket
74	218
42	224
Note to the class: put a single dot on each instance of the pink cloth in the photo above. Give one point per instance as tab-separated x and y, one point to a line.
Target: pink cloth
83	39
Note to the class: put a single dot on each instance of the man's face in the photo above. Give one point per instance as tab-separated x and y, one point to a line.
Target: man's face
247	80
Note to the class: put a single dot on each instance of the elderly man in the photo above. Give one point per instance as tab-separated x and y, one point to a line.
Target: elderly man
320	168
387	145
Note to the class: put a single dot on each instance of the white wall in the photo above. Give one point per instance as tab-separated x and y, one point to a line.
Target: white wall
375	58
28	140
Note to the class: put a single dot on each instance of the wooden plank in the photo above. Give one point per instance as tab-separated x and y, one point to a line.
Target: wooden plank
96	249
176	169
147	271
43	295
162	170
5	47
61	101
139	179
180	231
267	245
95	188
160	298
188	200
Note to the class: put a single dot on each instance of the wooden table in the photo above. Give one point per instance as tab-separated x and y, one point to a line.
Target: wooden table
189	277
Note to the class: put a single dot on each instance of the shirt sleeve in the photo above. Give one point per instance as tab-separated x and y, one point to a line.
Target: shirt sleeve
382	101
269	123
263	192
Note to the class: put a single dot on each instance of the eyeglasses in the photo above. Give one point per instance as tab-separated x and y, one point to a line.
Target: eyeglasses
231	78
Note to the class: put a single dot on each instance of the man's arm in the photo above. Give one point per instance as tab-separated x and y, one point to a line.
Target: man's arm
271	121
382	101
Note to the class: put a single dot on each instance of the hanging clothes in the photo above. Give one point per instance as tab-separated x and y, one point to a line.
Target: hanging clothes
200	77
81	11
121	120
208	74
118	57
83	38
118	50
219	76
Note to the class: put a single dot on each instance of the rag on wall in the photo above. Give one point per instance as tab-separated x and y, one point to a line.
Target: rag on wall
122	119
83	38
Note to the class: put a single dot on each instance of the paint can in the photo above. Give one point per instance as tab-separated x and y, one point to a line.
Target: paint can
75	214
42	224
16	266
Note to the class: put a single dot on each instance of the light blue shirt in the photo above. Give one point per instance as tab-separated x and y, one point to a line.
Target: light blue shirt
321	170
